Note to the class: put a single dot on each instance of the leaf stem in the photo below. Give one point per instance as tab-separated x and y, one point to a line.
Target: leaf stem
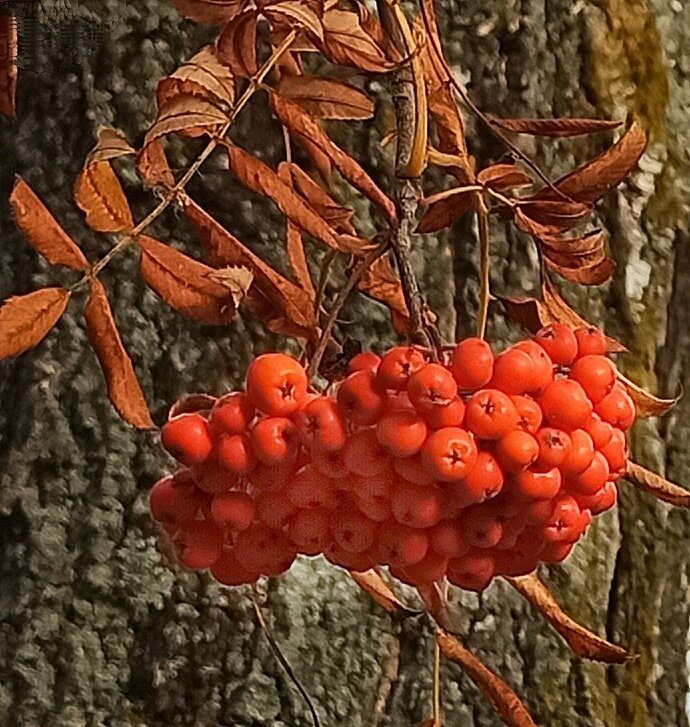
484	265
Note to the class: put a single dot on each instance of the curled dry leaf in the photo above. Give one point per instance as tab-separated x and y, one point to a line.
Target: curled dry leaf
581	260
551	216
25	320
593	273
124	390
192	403
441	210
282	305
594	179
295	14
236	279
8	64
203	76
382	283
214	12
187	115
236	45
304	126
260	178
582	641
326	98
646	404
504	177
508	705
42	230
153	167
555	127
111	144
371	583
100	196
656	485
186	284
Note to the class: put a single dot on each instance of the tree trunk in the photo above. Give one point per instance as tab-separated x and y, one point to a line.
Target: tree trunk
98	629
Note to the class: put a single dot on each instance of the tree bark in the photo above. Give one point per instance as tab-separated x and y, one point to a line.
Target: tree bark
96	628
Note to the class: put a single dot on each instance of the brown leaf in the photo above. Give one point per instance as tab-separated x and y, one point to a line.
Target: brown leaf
100	196
583	642
237	44
8	64
555	127
436	602
260	178
430	723
236	279
192	403
656	485
124	390
593	180
111	144
186	115
185	284
326	98
347	41
503	177
299	122
203	76
553	216
646	404
594	273
441	210
382	283
26	319
508	705
371	583
42	230
153	167
214	12
284	306
295	14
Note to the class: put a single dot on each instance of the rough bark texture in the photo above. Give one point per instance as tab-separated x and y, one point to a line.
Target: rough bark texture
97	629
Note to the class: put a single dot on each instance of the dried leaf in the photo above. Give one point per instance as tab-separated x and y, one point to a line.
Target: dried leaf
192	403
124	390
111	144
186	115
583	642
445	208
153	167
504	177
371	583
508	705
236	279
284	306
260	178
295	14
593	273
8	64
203	76
214	12
185	284
348	42
100	196
593	180
656	485
25	320
382	283
551	216
42	230
299	122
326	98
646	404
555	127
237	44
438	606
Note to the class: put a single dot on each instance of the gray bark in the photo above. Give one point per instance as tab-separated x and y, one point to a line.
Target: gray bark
96	628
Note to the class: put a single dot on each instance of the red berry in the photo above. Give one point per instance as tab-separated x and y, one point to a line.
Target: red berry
235	453
449	454
275	441
558	340
363	455
490	414
602	500
537	484
565	405
402	432
554	447
556	552
310	531
512	372
365	361
474	571
432	388
267	478
472	364
516	451
174	499
616	452
187	438
591	479
361	399
566	524
483	481
529	413
450	415
320	425
596	375
357	562
418	506
276	384
263	549
234	510
542	366
448	539
413	470
232	414
331	464
580	455
430	569
600	431
397	367
617	408
203	544
309	489
353	531
274	509
212	478
590	342
400	544
481	526
230	572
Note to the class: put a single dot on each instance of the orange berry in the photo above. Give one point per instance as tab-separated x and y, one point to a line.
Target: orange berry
558	340
565	405
398	365
432	388
402	432
361	399
472	364
449	454
490	414
517	450
276	384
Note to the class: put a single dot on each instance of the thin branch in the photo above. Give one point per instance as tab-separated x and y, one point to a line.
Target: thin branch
484	265
283	659
436	704
323	280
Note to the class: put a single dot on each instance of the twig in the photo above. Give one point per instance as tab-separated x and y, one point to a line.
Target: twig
283	659
436	704
323	280
484	265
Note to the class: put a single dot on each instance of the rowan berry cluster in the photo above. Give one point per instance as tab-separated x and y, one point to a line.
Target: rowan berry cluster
477	466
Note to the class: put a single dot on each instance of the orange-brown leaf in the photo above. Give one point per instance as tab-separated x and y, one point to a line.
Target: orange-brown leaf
592	273
26	319
326	98
371	583
304	126
153	167
284	306
111	144
555	127
656	485
100	196
503	177
42	230
237	44
582	641
187	115
124	389
382	283
593	180
214	12
508	705
191	403
186	284
8	64
553	216
202	75
295	14
441	210
646	404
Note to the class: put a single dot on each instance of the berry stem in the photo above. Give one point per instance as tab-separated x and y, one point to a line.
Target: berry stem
484	265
